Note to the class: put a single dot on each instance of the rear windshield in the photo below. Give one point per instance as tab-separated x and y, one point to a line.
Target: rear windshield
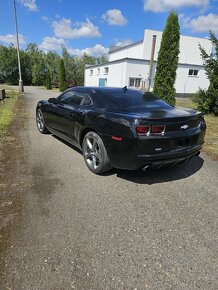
129	100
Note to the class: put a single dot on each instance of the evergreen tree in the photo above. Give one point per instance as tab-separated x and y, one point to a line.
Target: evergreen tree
48	81
80	67
62	77
167	61
208	99
70	65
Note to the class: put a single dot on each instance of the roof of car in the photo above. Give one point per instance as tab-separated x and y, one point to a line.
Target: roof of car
100	89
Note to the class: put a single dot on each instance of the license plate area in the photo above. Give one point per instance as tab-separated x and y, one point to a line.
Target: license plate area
183	142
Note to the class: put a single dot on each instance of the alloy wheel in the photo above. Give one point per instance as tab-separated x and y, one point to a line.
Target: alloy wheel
92	152
40	121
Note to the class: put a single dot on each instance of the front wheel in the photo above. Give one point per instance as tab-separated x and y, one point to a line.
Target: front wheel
95	154
40	122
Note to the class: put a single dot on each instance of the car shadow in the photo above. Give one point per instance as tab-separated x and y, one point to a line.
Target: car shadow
67	143
164	174
152	176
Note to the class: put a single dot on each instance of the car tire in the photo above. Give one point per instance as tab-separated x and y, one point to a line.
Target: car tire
40	122
95	154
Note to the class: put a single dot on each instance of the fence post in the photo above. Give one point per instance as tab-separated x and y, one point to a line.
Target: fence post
2	94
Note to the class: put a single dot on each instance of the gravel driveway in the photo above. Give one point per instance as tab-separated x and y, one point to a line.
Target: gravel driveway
123	230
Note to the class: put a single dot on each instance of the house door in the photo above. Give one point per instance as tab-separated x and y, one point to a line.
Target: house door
102	83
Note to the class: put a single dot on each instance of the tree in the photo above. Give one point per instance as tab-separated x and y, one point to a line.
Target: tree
167	61
62	77
80	67
39	72
48	80
70	66
9	66
52	60
208	99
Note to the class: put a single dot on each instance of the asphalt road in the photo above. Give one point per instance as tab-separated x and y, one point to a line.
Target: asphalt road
123	230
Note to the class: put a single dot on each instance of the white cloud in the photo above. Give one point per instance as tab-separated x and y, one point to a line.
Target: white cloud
51	43
66	29
96	50
114	17
11	38
165	5
45	18
29	4
203	23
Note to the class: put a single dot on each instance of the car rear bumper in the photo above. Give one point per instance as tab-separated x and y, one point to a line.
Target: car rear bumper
133	154
172	158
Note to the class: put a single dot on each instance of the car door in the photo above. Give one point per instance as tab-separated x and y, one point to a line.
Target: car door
68	113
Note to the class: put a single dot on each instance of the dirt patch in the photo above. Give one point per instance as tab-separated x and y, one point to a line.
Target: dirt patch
12	167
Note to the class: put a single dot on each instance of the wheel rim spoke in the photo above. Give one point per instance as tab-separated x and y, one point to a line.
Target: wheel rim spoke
98	156
94	145
94	163
88	155
92	153
89	143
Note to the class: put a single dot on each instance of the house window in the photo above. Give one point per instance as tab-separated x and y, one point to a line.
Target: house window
106	70
134	82
91	72
193	72
98	70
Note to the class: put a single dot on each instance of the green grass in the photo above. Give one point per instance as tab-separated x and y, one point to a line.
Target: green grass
211	139
6	110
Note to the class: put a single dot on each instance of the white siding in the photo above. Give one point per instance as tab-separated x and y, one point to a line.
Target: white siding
115	77
186	84
189	47
148	36
133	62
137	69
133	51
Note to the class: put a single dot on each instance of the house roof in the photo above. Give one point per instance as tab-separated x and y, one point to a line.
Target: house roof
117	48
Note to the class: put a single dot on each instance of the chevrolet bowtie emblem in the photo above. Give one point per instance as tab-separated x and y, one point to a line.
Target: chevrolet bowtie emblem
184	127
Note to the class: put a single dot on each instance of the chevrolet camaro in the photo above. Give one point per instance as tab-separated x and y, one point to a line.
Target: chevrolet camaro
122	128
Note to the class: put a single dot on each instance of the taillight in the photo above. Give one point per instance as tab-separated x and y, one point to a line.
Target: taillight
201	122
143	130
157	129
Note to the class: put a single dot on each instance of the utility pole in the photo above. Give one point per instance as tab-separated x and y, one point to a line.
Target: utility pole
21	89
151	61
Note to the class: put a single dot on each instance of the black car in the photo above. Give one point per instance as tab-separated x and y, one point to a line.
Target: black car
122	128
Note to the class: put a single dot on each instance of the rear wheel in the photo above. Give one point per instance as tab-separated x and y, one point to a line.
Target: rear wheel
40	122
95	154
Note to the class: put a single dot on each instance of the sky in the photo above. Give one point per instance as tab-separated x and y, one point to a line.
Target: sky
92	26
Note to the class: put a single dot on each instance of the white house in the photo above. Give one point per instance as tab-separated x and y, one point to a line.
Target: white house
132	65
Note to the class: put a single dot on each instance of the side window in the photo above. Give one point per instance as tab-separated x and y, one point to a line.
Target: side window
73	98
86	101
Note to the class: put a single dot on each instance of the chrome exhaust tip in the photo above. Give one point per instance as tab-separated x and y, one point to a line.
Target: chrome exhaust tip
146	168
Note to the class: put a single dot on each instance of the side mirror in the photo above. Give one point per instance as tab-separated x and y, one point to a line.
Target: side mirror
53	101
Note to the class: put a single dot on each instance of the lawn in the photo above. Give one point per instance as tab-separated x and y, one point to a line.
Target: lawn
6	109
211	140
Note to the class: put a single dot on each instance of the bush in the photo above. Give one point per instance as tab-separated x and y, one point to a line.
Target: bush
207	101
